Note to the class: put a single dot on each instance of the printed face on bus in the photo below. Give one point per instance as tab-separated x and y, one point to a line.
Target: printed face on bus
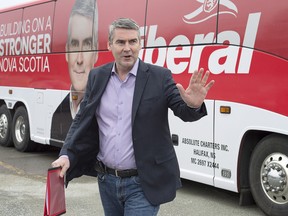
79	60
125	47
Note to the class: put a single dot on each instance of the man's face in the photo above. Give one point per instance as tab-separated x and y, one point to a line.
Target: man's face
125	48
80	63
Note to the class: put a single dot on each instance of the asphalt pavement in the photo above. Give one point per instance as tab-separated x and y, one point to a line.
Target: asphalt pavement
23	182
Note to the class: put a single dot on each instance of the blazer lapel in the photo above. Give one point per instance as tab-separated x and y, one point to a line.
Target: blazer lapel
98	81
101	79
140	83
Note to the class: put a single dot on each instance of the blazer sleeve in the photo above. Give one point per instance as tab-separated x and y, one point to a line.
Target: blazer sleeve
79	139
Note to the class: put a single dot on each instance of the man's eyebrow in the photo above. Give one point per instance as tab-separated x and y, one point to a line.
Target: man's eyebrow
123	40
73	41
89	39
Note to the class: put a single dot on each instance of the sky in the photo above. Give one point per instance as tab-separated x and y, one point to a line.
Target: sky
7	3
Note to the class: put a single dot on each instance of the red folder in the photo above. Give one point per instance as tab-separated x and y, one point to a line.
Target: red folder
55	193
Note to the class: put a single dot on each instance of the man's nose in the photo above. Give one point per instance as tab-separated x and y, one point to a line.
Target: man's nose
80	58
127	47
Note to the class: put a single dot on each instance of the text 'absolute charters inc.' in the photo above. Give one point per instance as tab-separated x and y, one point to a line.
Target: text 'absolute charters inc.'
205	153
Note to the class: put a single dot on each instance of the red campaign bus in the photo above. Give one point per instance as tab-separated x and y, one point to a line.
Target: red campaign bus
240	146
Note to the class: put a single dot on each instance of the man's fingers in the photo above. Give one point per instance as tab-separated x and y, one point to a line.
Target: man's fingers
205	78
193	78
55	164
209	85
62	162
199	75
181	89
63	171
58	163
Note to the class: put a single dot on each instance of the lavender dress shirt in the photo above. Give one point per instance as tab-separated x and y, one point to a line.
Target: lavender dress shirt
114	119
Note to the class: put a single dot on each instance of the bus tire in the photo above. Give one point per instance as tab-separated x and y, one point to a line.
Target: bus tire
21	131
268	173
5	126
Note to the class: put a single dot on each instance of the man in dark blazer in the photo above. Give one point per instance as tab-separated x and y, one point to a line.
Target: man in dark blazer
147	171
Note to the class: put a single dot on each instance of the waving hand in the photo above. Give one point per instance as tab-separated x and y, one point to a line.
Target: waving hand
197	90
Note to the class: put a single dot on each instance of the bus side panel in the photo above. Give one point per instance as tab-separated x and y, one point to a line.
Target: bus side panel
195	148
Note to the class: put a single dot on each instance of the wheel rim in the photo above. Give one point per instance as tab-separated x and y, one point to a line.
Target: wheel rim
274	177
3	126
20	129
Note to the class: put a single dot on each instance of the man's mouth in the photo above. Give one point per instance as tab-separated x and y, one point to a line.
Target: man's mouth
79	72
127	56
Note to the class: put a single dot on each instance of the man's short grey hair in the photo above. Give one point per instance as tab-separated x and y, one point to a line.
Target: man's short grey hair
124	23
88	9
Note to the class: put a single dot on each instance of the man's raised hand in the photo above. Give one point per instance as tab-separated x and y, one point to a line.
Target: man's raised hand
197	89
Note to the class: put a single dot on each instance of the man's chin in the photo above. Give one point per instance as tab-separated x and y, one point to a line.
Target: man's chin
78	90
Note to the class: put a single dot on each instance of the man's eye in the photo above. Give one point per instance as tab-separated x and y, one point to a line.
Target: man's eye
133	42
121	43
87	46
74	45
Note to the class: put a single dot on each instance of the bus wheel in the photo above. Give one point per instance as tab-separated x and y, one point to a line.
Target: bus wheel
5	126
268	175
21	131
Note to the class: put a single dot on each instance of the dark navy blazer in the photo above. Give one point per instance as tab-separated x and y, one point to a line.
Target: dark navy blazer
157	165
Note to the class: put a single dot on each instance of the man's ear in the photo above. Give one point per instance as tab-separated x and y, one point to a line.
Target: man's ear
66	53
108	46
95	57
